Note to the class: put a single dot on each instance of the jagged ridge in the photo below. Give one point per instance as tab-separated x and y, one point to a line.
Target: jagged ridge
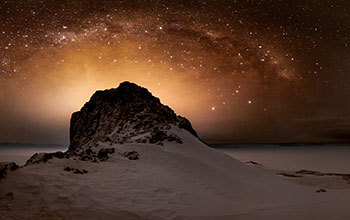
129	113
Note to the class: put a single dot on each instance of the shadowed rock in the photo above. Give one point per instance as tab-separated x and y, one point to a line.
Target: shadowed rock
75	171
126	114
44	157
6	167
132	155
253	163
103	153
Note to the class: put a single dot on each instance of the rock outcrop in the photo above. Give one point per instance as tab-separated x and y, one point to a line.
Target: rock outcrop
127	114
7	167
44	157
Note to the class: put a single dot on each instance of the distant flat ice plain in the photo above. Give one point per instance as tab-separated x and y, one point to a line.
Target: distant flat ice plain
324	158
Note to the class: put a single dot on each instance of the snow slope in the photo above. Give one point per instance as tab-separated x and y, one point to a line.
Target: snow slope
131	157
173	181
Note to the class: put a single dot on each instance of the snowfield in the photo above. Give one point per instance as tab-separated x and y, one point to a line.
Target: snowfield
174	181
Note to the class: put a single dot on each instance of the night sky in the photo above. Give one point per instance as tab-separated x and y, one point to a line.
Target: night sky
242	71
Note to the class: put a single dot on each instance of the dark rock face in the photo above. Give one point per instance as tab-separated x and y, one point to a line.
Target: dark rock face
103	154
6	167
132	155
126	114
253	163
44	157
86	155
75	171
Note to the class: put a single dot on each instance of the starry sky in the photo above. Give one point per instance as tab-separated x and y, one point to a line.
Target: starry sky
242	71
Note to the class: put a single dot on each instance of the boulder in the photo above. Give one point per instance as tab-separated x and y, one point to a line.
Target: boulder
7	167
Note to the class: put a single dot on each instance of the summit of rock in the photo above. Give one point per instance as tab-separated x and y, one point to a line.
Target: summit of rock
126	114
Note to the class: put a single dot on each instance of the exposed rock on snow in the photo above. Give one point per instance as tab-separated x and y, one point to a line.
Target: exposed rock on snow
103	154
75	171
127	114
132	155
289	175
344	176
253	163
7	167
327	180
94	155
124	173
321	191
44	157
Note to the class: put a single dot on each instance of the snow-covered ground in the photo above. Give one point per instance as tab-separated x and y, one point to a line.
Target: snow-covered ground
325	158
173	181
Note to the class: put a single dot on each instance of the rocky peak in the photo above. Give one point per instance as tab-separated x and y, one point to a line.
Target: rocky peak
126	114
